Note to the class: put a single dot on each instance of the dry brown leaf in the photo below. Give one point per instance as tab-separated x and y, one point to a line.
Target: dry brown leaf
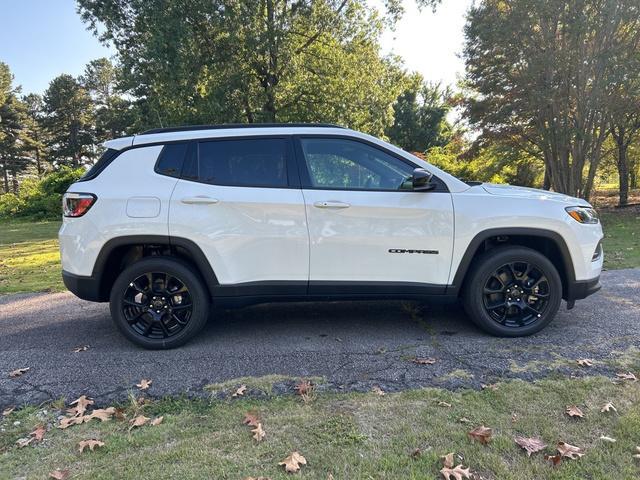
292	462
569	451
7	411
481	433
416	453
554	459
90	444
66	422
240	391
304	387
627	376
258	433
83	348
144	384
102	414
120	414
457	473
38	433
447	460
491	386
81	404
444	404
423	361
608	407
138	421
574	411
23	442
378	391
464	420
156	421
18	372
585	362
604	438
60	474
251	419
514	417
531	445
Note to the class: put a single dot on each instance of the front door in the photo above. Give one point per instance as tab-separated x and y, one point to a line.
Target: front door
369	231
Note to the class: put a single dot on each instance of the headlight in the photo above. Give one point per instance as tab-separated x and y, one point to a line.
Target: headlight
583	214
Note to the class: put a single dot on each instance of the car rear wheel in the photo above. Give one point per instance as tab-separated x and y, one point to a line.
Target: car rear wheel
512	291
159	303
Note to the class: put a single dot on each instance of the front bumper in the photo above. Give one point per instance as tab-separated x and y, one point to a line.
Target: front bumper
86	288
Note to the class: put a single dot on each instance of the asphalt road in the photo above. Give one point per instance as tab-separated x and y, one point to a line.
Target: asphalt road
353	346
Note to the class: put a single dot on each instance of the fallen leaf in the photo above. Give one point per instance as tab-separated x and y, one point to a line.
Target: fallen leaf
305	387
90	444
531	445
585	362
569	451
240	391
81	404
492	386
38	433
482	434
18	372
447	460
59	474
156	421
378	391
416	453
608	407
66	422
251	419
574	411
627	376
119	413
292	462
83	348
457	473
554	459
258	433
23	442
514	417
604	438
444	404
7	411
102	414
144	384
257	478
464	420
138	421
141	401
423	361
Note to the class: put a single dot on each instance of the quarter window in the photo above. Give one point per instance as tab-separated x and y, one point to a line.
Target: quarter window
347	164
259	162
171	159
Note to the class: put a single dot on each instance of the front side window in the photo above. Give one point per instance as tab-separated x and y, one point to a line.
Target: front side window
348	164
259	162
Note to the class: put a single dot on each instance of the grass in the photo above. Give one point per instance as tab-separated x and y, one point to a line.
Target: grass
349	436
30	261
29	256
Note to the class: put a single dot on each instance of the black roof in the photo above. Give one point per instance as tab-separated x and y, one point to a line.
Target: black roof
188	128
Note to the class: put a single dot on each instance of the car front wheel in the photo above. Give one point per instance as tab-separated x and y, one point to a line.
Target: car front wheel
512	291
159	303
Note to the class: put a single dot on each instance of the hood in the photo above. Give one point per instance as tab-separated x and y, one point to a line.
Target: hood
532	193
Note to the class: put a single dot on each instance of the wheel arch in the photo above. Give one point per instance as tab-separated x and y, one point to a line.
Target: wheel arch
120	252
549	243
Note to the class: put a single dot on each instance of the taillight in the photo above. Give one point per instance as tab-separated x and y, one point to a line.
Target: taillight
77	204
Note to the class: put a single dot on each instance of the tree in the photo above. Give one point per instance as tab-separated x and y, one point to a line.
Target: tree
420	117
69	121
540	73
11	119
34	135
204	61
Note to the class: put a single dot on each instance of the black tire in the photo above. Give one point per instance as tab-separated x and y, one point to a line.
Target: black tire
159	303
498	296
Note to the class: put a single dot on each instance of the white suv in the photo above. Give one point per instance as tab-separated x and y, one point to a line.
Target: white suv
171	221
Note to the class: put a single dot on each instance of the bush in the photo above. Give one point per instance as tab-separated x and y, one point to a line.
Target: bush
40	198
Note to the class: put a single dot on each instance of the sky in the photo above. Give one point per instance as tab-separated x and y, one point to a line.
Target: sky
41	39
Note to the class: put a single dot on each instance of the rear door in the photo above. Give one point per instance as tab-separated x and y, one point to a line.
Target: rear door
369	231
239	199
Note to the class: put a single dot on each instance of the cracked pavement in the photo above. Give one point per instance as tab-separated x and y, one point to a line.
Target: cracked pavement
351	345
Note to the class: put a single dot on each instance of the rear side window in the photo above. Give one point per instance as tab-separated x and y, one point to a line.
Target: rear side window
247	162
171	159
105	159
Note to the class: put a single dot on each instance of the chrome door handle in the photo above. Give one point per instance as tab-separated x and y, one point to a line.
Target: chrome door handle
200	200
329	204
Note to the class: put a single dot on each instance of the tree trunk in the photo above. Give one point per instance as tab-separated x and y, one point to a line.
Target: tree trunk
6	177
623	173
546	184
633	173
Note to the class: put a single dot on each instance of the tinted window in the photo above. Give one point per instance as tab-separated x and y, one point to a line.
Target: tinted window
105	159
348	164
259	162
171	159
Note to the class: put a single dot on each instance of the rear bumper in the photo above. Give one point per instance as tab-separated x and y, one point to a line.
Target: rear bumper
86	288
580	289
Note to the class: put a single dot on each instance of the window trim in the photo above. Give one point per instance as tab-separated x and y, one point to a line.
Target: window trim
293	179
305	177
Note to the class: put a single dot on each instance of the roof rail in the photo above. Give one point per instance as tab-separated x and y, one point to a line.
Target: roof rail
188	128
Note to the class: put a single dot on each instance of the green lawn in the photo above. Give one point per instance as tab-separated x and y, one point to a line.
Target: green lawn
350	436
30	261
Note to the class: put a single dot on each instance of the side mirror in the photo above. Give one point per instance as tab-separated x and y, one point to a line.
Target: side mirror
421	180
